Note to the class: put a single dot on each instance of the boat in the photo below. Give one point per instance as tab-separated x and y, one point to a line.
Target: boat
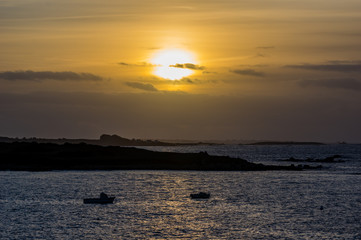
200	195
103	199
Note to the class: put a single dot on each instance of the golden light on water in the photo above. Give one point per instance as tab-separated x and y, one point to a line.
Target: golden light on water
166	63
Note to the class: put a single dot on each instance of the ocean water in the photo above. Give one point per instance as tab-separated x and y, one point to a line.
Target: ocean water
315	204
271	154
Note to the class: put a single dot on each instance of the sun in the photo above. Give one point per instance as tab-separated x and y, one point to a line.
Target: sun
169	63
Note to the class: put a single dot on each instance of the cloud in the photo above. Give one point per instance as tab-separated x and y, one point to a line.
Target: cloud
178	65
248	72
186	80
253	66
188	66
208	72
124	64
142	86
347	84
48	75
335	66
142	64
343	62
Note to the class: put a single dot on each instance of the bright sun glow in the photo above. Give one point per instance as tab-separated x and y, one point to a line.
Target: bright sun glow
167	58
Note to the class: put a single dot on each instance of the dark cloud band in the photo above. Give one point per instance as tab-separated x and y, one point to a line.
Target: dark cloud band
188	66
48	75
346	84
335	67
142	86
142	64
248	72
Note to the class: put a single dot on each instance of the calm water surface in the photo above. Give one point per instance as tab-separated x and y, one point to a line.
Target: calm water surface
156	204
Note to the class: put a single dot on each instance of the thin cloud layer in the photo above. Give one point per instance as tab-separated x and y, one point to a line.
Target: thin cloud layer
48	75
142	64
346	84
142	86
184	81
334	66
188	66
190	81
248	72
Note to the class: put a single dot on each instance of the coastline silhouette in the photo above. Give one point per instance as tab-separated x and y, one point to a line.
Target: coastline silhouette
24	156
104	140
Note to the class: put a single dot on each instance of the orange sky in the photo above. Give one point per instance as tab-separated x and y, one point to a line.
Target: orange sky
282	70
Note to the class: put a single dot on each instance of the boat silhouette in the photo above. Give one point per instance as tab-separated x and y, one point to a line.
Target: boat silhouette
103	199
200	195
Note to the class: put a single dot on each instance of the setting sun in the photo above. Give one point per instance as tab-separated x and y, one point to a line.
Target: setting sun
169	63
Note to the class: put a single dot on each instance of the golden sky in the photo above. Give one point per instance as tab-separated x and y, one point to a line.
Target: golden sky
267	69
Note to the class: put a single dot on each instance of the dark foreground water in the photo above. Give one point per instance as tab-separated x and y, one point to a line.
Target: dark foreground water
322	204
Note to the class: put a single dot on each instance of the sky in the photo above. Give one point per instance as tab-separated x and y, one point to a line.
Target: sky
279	70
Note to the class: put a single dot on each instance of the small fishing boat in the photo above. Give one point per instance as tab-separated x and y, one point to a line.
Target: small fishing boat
200	195
103	199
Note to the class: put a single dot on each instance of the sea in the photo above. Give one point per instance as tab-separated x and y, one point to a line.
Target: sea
311	204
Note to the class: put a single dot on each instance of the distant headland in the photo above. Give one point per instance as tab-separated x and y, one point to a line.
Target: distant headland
32	156
115	140
104	140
